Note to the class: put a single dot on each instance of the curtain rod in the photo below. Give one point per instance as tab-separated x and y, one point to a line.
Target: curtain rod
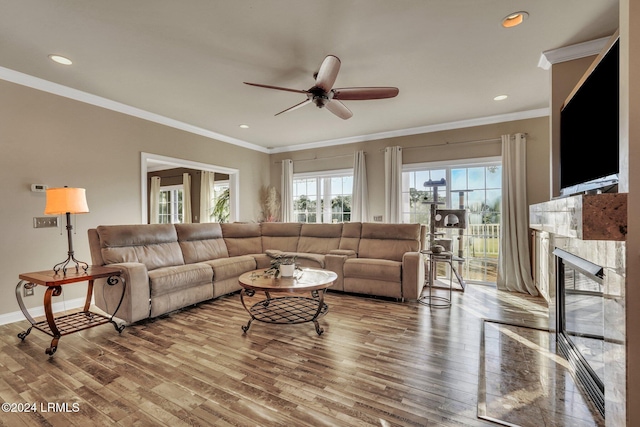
319	158
475	141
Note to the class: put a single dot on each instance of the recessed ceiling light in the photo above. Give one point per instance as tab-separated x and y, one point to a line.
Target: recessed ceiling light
60	59
514	19
244	126
500	97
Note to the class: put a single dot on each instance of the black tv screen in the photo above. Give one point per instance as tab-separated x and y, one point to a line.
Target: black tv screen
589	134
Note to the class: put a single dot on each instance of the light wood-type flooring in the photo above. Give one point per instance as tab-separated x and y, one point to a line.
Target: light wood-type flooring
378	363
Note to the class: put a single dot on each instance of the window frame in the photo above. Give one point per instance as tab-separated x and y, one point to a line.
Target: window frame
173	204
451	195
323	186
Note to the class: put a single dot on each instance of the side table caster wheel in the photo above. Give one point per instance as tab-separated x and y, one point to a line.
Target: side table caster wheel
51	350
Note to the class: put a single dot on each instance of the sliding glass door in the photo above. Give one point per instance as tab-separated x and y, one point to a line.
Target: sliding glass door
473	185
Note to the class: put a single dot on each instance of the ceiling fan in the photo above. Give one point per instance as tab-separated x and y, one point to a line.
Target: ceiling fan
323	95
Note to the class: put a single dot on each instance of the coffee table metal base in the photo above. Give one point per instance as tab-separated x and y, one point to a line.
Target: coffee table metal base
286	310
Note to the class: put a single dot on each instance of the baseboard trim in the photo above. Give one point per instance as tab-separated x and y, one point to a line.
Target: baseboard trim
17	316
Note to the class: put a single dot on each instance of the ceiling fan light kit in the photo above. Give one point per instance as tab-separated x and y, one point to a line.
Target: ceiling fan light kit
322	94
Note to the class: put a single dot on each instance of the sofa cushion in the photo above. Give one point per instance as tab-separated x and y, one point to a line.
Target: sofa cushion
179	278
201	242
350	239
154	245
388	241
280	235
242	238
319	238
376	269
379	288
225	268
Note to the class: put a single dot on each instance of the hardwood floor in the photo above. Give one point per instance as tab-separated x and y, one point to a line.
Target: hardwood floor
378	363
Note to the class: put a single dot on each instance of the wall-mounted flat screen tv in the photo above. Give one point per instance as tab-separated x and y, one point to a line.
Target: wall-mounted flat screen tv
589	129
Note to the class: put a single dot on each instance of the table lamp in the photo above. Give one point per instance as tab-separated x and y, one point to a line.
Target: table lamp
67	201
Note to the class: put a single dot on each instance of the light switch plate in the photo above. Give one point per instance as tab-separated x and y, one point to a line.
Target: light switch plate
45	222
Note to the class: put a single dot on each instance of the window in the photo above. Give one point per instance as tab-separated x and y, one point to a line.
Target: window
323	197
170	204
475	186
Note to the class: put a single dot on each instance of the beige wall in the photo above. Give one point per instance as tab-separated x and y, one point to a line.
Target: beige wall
416	149
48	139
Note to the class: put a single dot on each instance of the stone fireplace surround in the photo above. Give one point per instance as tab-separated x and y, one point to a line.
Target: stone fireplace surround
592	227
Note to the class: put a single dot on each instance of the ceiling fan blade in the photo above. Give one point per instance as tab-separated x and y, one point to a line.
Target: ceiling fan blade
295	107
339	109
276	87
328	72
364	93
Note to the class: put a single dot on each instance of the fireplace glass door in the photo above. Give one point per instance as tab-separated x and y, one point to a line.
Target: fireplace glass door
580	320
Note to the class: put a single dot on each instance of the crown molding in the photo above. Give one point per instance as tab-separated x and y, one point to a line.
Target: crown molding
78	95
67	92
568	53
523	115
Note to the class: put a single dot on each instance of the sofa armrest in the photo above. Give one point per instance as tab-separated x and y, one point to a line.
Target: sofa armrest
262	261
335	263
349	253
136	302
412	275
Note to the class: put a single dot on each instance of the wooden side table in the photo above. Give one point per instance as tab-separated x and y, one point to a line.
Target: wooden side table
54	326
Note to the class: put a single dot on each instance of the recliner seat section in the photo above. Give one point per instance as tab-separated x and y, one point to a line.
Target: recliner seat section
170	266
388	262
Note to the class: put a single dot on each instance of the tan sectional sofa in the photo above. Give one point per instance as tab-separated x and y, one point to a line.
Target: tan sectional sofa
170	266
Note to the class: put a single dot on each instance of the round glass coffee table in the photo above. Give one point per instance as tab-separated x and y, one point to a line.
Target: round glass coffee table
288	309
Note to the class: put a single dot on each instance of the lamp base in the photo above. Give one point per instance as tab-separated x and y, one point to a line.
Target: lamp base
70	258
66	264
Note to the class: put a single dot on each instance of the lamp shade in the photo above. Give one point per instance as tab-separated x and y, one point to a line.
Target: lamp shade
63	200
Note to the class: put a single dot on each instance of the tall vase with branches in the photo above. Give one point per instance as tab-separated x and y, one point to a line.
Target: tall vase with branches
269	203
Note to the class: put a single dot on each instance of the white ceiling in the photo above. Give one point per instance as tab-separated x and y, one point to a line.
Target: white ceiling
186	60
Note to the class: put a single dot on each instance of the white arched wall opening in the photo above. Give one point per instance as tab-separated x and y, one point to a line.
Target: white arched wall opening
146	158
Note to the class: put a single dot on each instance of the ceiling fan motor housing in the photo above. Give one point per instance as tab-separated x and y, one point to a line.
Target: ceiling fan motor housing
319	96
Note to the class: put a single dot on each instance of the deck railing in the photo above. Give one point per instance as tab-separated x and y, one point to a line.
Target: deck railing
480	244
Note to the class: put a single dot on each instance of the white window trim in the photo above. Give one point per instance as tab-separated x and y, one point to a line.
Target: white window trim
326	194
